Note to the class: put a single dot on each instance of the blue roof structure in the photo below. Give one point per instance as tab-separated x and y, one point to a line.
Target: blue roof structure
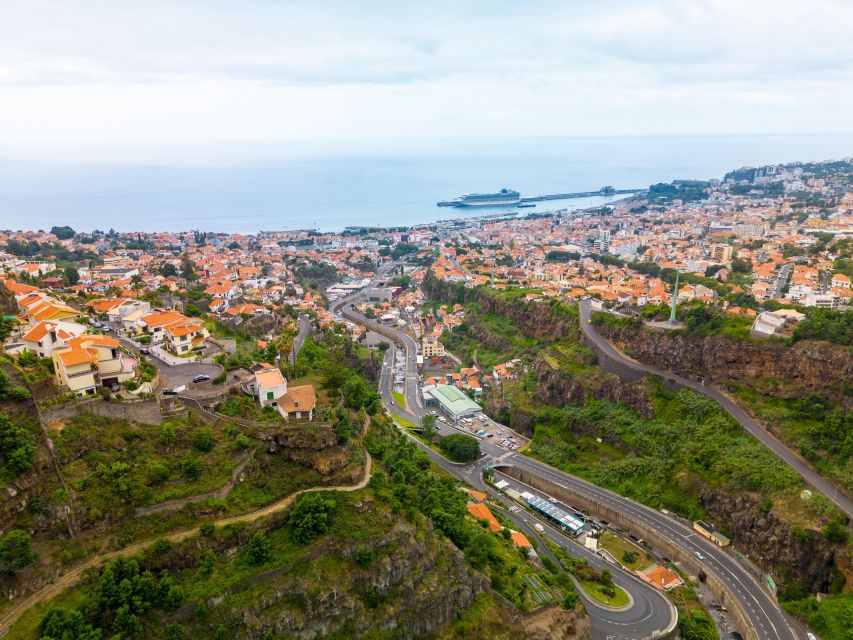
572	522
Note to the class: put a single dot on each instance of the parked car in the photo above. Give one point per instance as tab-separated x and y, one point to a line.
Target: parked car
201	378
143	351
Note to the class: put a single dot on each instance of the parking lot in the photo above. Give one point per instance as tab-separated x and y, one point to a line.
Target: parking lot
481	426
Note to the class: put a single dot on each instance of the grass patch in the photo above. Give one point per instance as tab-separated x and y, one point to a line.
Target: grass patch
595	591
399	398
622	549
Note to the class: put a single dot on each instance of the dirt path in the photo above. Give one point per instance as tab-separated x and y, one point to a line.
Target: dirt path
220	494
73	576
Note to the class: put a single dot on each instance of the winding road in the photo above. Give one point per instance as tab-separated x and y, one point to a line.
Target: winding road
620	363
650	613
765	619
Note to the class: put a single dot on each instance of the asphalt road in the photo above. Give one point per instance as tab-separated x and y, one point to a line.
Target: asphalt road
752	427
304	332
766	617
650	612
174	375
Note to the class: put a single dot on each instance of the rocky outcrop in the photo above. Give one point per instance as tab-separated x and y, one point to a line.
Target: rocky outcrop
315	445
771	369
798	557
548	320
559	387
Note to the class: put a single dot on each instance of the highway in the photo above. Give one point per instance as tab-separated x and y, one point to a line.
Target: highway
766	618
798	464
649	612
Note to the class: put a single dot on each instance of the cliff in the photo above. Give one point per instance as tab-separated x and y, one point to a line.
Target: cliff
769	368
797	558
316	446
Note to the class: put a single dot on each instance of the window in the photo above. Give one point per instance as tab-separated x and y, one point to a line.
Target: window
270	395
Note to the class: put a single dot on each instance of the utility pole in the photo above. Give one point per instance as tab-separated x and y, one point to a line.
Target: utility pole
672	319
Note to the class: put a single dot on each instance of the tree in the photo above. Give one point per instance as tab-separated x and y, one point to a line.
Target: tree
428	426
15	551
72	276
62	233
191	467
187	268
203	440
258	550
460	447
168	270
16	443
310	516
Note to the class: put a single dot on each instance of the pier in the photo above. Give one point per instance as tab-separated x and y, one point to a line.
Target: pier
604	191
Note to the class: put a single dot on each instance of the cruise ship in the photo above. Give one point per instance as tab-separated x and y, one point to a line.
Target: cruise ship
501	198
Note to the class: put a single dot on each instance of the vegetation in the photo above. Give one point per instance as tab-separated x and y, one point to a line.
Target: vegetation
122	594
826	324
460	447
657	461
830	617
15	551
16	446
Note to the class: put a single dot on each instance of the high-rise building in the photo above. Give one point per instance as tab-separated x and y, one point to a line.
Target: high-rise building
721	253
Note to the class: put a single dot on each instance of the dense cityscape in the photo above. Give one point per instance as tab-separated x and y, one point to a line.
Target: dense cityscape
687	347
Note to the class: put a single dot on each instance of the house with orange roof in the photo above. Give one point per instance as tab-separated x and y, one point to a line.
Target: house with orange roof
47	335
520	540
481	512
87	361
266	383
184	336
660	578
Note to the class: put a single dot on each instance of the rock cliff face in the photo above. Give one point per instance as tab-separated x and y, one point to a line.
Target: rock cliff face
803	558
535	319
771	369
559	387
315	446
419	587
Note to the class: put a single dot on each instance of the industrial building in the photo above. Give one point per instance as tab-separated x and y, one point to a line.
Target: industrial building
452	400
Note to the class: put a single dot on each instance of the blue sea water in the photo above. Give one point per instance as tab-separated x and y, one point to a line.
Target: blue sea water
271	187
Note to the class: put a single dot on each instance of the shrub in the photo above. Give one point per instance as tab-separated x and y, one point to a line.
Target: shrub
191	467
15	551
207	529
258	549
363	556
242	441
460	447
203	440
16	446
310	516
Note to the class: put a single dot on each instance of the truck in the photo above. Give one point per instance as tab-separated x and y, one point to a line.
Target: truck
539	528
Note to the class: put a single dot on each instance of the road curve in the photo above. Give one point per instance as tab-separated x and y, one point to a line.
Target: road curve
650	611
751	426
766	618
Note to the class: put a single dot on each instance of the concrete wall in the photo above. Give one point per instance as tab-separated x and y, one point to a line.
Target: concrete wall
145	410
644	532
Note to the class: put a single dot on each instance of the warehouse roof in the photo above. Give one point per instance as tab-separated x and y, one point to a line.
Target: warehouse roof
454	400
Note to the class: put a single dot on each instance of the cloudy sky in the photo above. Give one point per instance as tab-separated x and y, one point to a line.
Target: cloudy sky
82	72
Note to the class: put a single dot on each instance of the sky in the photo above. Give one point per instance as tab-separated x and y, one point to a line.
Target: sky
85	74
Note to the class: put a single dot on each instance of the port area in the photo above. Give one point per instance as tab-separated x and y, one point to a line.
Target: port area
604	191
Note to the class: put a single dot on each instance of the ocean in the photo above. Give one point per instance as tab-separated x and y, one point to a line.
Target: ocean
258	187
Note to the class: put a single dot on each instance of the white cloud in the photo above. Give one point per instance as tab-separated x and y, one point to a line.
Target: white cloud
110	71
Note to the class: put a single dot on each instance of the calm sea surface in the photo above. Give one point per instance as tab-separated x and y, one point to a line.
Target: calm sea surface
284	187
